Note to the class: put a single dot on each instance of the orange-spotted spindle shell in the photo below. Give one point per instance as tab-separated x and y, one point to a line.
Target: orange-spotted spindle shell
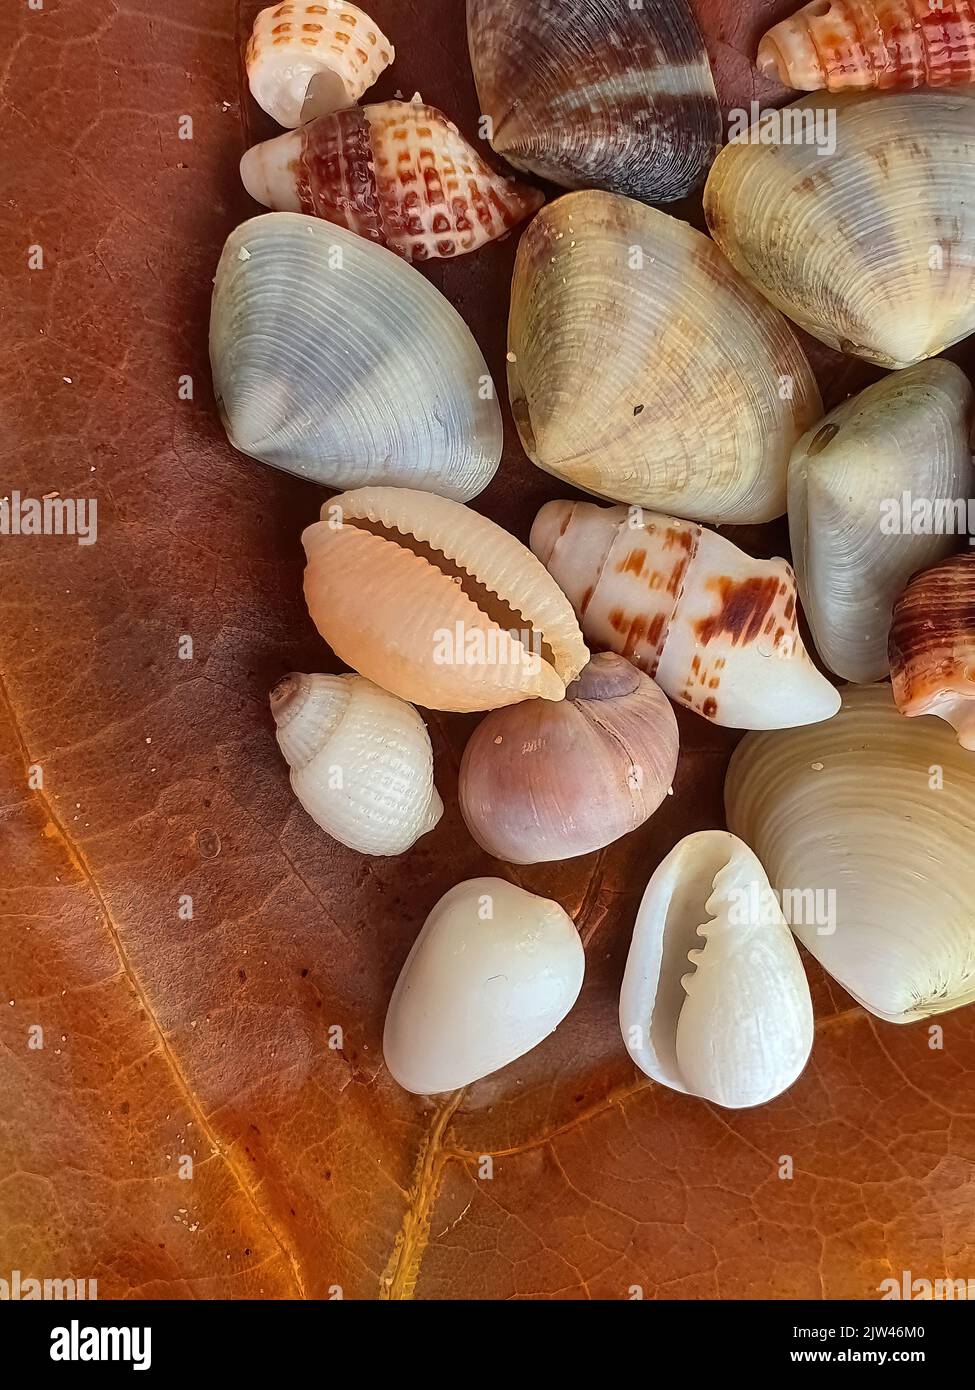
844	44
304	60
398	172
932	645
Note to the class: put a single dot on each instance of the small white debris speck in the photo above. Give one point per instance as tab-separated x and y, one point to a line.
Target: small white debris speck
67	381
243	254
816	767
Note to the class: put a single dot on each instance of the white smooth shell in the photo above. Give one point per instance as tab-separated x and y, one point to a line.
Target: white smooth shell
335	360
737	1027
478	990
361	761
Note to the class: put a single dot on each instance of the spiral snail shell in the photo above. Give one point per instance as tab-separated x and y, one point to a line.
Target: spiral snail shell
361	761
542	781
304	60
716	629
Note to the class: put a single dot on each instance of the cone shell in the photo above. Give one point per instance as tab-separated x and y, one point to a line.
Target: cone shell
642	368
398	173
542	781
905	436
868	824
493	972
716	629
436	603
932	646
714	1000
872	43
361	761
303	60
597	93
870	248
335	361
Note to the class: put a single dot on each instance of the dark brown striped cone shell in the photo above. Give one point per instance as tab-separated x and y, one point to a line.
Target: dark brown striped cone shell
597	93
932	645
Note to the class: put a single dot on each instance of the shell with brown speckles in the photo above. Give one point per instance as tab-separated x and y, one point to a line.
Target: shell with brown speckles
644	369
858	221
716	629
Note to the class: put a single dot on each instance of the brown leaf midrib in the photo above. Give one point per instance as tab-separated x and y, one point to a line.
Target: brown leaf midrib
79	859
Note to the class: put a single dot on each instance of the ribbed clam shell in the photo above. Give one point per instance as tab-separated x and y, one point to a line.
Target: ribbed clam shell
872	43
597	93
644	369
398	173
542	781
715	628
714	1000
334	360
305	59
932	646
879	811
870	248
436	603
492	973
907	435
361	761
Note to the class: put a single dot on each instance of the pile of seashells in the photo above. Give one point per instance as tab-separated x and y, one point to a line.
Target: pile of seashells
656	368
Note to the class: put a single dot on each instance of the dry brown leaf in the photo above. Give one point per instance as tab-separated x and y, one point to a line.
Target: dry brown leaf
210	1038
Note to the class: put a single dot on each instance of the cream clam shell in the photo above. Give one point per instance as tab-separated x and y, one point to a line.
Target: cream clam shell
642	367
871	247
492	973
335	360
436	603
361	761
878	811
907	435
714	1000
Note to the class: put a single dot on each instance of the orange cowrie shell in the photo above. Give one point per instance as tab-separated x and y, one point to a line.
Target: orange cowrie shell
839	44
304	60
398	173
437	604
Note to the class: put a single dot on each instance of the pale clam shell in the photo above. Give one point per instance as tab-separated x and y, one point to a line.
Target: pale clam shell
492	973
870	248
715	628
361	761
907	434
397	173
714	1000
878	810
304	59
644	369
334	360
436	603
597	93
542	781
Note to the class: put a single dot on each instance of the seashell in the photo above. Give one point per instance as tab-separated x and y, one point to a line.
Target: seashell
932	646
492	973
866	827
908	434
737	1028
716	629
873	248
436	603
307	60
642	368
398	173
872	43
361	761
597	93
335	361
542	781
